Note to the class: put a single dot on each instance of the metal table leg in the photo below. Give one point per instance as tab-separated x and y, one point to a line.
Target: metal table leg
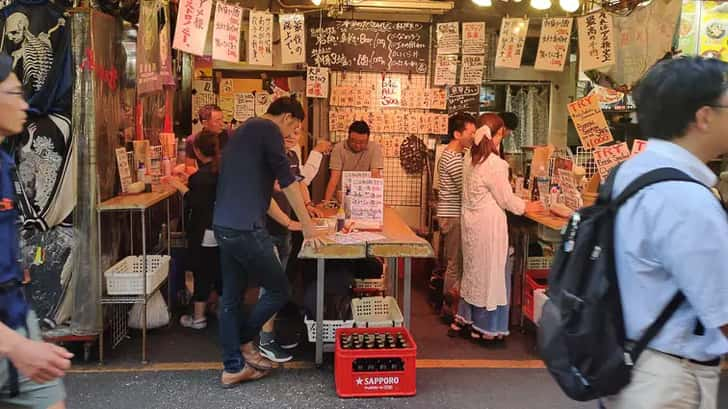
392	279
101	288
524	267
144	287
169	253
320	265
407	291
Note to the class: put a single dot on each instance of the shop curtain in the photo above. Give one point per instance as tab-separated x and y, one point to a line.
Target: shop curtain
531	105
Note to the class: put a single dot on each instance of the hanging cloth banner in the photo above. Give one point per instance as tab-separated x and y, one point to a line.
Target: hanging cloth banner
596	40
260	47
165	51
510	42
553	46
226	32
148	79
193	20
293	38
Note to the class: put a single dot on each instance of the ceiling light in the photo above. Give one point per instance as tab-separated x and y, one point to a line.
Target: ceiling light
569	6
541	4
483	3
316	2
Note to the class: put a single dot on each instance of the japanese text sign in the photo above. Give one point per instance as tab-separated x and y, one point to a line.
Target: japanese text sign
193	20
367	200
448	38
474	38
226	32
596	40
510	42
553	46
260	47
317	82
391	92
293	38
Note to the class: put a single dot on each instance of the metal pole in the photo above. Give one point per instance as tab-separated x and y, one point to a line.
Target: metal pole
320	265
407	291
144	287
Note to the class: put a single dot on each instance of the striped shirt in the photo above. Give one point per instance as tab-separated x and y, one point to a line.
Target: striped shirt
450	168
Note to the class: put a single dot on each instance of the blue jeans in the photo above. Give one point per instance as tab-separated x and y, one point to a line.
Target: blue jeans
242	253
283	245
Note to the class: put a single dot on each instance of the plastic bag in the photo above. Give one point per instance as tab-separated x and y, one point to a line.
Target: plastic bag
157	313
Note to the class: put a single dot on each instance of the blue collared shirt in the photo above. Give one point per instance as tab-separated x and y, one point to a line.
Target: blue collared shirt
670	236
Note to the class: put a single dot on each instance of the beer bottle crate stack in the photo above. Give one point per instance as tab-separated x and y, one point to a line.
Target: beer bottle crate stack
375	362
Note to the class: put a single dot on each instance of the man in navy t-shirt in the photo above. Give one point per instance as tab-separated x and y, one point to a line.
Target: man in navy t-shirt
252	161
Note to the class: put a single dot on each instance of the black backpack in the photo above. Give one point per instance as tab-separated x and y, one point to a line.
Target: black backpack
581	335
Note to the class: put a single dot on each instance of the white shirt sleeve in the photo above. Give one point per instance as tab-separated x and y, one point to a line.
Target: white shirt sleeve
311	168
502	191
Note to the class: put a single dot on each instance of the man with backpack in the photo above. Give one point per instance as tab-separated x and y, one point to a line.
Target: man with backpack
638	313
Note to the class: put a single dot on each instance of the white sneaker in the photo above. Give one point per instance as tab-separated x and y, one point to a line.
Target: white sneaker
189	321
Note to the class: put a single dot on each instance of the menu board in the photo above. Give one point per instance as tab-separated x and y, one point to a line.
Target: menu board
607	157
446	69
372	46
596	40
463	98
448	38
367	202
226	32
260	46
589	121
293	38
244	106
317	82
474	38
553	46
193	20
510	42
472	70
391	92
347	176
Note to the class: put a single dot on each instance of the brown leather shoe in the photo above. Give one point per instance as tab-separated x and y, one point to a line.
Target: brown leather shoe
253	357
230	380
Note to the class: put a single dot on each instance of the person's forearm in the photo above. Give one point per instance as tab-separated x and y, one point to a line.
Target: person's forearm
275	212
311	168
8	339
305	193
330	190
295	199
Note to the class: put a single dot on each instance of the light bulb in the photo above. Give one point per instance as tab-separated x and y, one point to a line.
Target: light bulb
541	4
569	6
483	3
316	2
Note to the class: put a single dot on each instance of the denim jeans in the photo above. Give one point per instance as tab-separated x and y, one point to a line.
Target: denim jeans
242	253
283	245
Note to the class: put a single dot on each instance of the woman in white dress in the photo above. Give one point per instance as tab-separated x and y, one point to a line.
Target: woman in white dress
487	194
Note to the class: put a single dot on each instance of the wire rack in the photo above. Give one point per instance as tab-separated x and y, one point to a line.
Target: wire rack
118	322
585	159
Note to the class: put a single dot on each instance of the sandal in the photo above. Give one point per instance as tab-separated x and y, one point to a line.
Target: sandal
455	330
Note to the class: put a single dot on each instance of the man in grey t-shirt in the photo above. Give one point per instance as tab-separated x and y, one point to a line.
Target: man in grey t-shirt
357	153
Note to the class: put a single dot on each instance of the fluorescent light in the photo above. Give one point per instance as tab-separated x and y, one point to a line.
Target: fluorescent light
541	4
569	5
483	3
316	2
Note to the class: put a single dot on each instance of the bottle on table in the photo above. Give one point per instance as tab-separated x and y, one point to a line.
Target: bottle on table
340	219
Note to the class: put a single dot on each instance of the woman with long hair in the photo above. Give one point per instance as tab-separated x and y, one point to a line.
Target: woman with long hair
487	195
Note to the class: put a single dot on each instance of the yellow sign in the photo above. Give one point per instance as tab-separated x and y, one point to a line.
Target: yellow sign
589	121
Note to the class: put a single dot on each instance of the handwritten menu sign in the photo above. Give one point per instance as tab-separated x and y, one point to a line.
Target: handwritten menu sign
372	46
391	92
553	46
638	145
202	95
589	121
260	47
367	201
474	38
293	38
472	70
510	42
244	106
463	98
262	102
317	82
446	69
607	157
122	163
448	38
347	176
568	185
596	40
226	32
193	20
437	98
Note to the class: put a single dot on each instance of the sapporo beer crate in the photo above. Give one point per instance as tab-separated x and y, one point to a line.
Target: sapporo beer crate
375	362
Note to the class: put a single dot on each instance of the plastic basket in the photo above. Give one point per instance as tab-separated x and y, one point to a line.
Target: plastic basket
125	277
330	327
539	263
369	285
376	312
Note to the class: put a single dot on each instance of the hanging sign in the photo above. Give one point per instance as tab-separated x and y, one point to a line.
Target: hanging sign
474	38
317	82
165	51
448	38
638	146
226	32
391	92
293	35
596	40
463	98
510	42
607	157
446	69
260	47
472	70
244	106
193	20
553	46
589	121
148	78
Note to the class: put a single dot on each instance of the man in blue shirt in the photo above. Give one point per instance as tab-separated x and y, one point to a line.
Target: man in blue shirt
674	236
252	161
30	370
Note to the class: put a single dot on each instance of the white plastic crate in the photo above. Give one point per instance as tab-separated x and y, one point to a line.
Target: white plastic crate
330	327
369	284
376	312
125	277
539	263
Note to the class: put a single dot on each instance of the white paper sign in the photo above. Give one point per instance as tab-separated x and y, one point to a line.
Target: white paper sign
391	92
193	20
607	157
472	71
596	40
293	38
260	46
638	146
122	163
346	177
474	38
244	106
553	46
202	95
510	42
226	32
262	102
317	82
448	38
367	201
446	69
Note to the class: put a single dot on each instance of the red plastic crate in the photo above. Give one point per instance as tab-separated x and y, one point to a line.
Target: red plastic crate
535	279
351	384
